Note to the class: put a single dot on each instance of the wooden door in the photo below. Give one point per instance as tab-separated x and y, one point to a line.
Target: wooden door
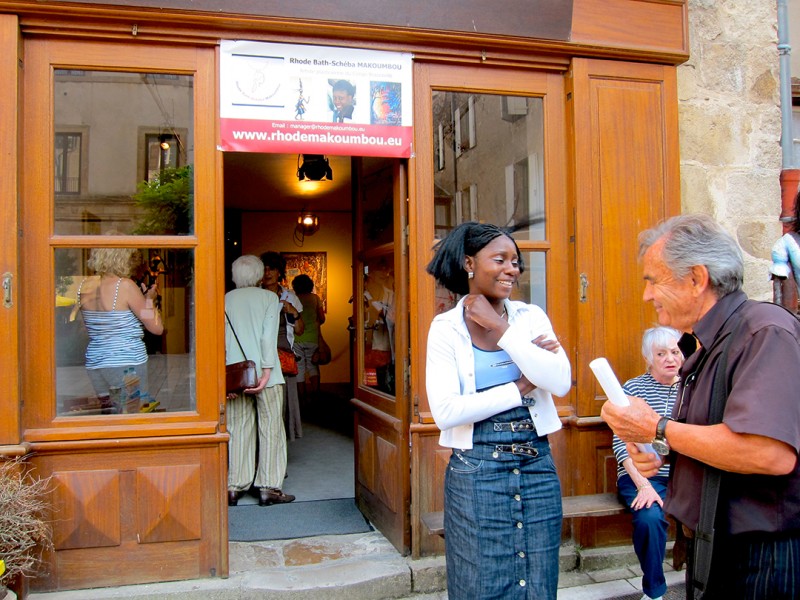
490	145
381	351
11	72
625	151
138	463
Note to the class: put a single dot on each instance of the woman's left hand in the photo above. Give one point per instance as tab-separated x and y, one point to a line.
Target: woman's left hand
262	382
545	344
645	498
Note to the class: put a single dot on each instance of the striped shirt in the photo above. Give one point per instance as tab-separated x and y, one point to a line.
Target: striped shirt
115	339
661	399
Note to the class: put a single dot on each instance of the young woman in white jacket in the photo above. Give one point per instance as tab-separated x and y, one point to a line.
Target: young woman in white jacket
492	365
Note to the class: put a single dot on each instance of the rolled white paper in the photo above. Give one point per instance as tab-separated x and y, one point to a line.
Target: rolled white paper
610	384
608	381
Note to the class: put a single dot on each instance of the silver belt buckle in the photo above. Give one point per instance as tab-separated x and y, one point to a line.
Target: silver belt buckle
524	449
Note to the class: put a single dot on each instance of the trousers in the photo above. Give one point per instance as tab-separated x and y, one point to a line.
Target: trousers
649	534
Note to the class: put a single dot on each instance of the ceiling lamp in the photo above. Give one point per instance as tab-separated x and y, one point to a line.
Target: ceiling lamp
314	167
308	223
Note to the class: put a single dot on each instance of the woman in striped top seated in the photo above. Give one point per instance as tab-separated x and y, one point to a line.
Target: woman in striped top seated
645	497
115	312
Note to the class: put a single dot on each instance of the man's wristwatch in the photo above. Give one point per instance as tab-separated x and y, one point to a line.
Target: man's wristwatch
660	444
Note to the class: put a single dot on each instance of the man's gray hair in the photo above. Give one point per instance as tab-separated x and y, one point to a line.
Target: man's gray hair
691	240
247	271
656	338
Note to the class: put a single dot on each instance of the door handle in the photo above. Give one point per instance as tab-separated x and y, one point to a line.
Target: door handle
584	285
8	299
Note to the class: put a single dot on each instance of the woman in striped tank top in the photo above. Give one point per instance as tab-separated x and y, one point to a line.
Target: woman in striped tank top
115	312
645	497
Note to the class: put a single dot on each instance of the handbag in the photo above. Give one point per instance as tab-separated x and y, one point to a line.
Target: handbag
288	362
242	375
322	355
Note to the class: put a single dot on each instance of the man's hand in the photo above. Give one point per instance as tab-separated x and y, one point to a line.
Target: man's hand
646	463
634	423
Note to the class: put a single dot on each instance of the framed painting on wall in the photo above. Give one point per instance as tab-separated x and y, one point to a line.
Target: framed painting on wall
313	264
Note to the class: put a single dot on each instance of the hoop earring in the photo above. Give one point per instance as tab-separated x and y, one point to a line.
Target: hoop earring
470	274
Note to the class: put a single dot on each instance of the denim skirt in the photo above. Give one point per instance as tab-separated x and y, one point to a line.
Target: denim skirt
502	513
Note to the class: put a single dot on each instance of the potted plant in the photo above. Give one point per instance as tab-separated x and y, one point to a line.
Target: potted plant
24	532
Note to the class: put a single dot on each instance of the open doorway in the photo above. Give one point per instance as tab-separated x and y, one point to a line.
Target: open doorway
263	199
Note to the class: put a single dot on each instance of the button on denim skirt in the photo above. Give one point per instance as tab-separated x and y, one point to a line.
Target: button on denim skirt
502	515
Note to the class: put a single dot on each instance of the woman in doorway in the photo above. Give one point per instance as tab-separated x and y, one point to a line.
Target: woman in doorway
116	313
645	497
307	343
290	325
252	316
490	361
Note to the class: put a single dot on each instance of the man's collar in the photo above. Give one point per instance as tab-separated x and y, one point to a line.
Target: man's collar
709	325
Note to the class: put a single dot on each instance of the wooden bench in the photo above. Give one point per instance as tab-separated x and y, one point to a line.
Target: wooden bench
590	505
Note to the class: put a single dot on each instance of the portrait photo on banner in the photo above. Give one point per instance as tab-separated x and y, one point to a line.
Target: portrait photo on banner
313	264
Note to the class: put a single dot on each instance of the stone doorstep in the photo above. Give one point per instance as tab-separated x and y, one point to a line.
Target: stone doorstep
353	567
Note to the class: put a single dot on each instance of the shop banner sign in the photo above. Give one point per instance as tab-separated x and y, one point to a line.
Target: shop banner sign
314	100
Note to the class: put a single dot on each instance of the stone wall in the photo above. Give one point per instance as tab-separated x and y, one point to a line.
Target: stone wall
730	126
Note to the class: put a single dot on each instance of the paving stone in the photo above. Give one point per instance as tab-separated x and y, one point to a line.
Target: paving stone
612	574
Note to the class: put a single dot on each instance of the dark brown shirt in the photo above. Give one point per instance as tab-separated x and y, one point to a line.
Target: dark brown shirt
764	399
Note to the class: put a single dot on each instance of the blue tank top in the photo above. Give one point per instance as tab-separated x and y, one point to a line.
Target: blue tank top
493	368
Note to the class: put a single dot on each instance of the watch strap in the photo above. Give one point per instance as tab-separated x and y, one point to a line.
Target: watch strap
661	428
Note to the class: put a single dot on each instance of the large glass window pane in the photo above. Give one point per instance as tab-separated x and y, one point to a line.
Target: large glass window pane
532	284
377	369
107	361
123	153
488	161
488	165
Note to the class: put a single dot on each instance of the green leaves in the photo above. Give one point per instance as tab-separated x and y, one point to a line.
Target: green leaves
166	203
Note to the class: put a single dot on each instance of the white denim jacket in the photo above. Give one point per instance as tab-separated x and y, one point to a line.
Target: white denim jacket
450	373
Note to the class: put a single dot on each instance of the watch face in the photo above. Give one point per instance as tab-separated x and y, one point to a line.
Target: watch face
661	447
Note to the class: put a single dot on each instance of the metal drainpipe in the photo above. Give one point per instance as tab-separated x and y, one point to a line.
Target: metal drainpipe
790	174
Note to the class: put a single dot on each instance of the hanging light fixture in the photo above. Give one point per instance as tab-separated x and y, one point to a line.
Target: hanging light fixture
313	167
308	223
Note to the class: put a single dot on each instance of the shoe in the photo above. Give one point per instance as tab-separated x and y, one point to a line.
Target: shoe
233	498
267	496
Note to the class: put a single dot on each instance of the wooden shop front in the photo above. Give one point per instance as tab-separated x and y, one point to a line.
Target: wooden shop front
563	110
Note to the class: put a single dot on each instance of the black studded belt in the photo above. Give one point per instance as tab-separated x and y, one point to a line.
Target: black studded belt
515	426
525	449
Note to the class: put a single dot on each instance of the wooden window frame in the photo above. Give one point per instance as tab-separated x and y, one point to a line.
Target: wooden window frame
40	422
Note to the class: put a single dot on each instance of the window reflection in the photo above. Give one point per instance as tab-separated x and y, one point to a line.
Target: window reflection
532	284
124	331
123	146
379	324
488	166
488	163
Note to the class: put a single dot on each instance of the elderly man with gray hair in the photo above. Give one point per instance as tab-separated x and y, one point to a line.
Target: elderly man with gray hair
740	467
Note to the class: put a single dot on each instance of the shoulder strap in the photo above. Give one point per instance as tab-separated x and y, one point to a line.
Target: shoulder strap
234	335
116	294
712	477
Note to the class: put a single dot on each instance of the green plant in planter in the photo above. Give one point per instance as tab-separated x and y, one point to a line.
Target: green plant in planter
166	202
24	532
